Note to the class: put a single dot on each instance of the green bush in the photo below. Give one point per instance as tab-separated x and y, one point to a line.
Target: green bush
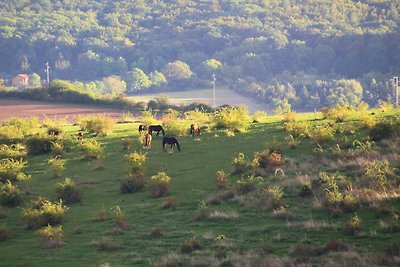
136	162
10	134
232	118
97	124
272	197
15	151
239	163
248	184
25	126
176	127
40	143
297	128
10	195
57	149
221	179
91	149
68	192
51	236
354	225
159	184
11	169
57	165
42	212
132	184
322	134
339	113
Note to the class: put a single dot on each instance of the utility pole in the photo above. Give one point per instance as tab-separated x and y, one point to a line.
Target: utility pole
213	82
47	70
395	88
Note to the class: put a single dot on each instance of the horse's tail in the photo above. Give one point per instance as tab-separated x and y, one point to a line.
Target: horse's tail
178	146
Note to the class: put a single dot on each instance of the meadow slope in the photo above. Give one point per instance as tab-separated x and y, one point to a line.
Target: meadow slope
263	215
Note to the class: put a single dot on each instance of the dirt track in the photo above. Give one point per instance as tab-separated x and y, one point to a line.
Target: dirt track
22	108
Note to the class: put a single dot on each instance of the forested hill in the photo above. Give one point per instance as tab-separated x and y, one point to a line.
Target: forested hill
308	53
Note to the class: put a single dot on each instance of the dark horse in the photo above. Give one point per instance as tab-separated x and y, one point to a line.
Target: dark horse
172	142
142	127
156	128
194	129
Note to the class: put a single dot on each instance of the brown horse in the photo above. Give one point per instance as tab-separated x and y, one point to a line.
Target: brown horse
148	140
194	129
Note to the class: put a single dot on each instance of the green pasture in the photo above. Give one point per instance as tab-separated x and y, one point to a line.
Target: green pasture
193	172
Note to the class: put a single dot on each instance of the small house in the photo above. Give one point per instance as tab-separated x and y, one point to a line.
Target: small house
20	81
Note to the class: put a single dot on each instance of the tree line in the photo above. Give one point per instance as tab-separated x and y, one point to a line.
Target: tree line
305	53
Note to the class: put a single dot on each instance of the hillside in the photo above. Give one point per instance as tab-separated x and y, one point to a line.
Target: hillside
311	54
283	190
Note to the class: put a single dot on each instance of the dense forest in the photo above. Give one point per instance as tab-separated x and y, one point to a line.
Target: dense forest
300	53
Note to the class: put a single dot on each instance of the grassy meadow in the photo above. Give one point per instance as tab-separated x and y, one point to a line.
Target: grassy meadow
302	194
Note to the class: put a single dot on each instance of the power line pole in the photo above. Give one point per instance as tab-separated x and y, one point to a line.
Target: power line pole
47	70
213	82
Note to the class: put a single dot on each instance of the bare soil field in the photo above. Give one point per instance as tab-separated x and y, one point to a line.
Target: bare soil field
22	109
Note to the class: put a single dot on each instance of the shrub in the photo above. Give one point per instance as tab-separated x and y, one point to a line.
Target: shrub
275	160
189	246
51	236
306	186
136	162
10	134
338	113
11	169
97	124
127	117
42	212
40	143
367	120
134	183
68	192
246	185
10	195
176	127
159	184
322	134
15	151
147	118
350	203
290	116
198	116
57	165
297	128
354	225
239	163
91	149
377	173
221	179
57	149
271	197
292	141
232	118
5	233
127	143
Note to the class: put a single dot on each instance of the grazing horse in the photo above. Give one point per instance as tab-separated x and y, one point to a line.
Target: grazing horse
156	128
148	140
194	129
172	142
142	127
